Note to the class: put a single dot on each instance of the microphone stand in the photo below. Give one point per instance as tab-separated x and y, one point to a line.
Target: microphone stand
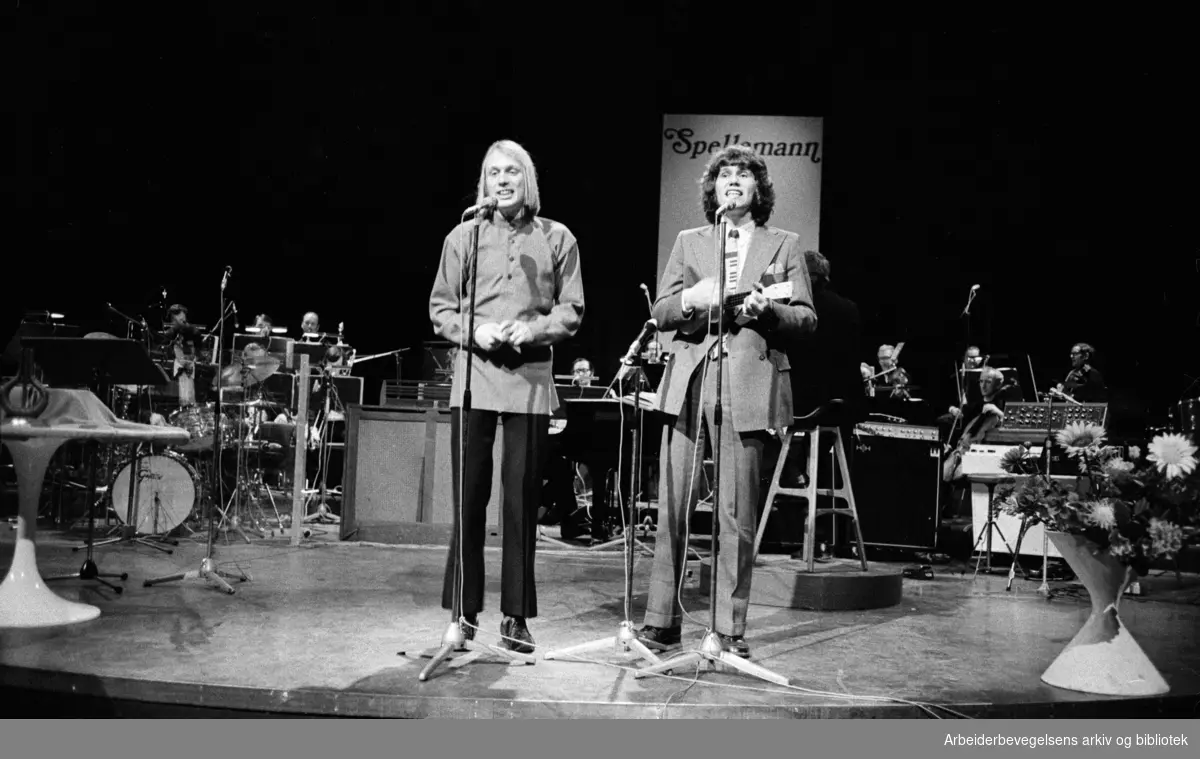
208	570
455	639
711	650
626	640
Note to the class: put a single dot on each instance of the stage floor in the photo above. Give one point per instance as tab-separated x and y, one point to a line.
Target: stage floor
317	631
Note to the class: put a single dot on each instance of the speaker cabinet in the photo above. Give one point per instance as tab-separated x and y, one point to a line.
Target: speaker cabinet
896	473
398	479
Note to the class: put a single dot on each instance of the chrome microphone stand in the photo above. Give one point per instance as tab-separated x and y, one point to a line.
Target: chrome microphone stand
625	641
455	639
208	570
711	650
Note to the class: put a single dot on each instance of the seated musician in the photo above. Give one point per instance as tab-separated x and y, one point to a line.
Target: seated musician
310	330
263	324
890	374
1084	382
183	341
970	423
581	373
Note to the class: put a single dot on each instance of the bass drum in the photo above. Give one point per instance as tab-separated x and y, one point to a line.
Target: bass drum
166	491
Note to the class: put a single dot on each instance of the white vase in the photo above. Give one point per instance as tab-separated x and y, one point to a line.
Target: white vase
1103	657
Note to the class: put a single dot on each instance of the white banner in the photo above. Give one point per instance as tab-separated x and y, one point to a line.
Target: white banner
790	145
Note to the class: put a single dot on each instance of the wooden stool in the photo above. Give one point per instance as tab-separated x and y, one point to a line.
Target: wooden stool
811	492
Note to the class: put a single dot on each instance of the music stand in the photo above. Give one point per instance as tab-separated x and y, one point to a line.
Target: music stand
74	361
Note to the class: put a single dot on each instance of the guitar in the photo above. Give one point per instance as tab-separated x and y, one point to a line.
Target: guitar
989	419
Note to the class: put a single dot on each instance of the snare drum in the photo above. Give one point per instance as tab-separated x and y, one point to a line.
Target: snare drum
166	491
1187	418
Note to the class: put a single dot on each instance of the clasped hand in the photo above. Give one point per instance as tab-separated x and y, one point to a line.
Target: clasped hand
492	335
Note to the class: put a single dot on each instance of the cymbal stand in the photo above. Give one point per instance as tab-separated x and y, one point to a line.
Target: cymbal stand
711	650
233	512
324	449
208	570
625	641
455	639
89	570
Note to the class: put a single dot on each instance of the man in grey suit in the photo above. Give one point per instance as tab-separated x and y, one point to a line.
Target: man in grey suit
765	266
529	297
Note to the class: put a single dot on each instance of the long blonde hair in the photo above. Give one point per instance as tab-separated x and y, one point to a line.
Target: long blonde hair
533	199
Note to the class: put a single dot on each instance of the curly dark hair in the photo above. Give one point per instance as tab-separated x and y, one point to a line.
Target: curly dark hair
743	157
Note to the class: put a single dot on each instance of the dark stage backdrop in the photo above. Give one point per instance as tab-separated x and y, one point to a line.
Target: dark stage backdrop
324	151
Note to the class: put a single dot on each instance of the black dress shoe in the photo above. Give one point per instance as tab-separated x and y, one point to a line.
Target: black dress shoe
735	644
516	635
660	638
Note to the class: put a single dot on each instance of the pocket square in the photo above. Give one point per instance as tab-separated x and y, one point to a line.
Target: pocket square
775	268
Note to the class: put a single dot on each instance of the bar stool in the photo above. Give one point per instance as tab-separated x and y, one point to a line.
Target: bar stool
815	424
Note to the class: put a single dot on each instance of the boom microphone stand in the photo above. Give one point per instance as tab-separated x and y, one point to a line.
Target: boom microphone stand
208	570
626	640
455	638
711	649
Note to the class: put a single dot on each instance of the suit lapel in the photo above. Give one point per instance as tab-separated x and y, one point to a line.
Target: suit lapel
703	251
763	244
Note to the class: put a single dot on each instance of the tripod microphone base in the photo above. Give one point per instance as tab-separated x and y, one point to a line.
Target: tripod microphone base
712	652
455	640
89	571
208	571
624	642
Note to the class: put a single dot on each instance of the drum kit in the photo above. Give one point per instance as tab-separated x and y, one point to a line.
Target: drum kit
256	425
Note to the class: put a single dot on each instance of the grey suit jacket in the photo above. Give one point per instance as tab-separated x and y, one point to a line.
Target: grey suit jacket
758	361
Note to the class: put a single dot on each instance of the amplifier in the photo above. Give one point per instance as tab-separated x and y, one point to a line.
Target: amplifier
897	479
985	459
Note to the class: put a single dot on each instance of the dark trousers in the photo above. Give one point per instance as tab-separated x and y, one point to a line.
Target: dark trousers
525	440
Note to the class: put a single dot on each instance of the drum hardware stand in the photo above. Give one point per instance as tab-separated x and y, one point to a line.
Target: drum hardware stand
89	570
455	639
324	452
711	650
208	570
625	641
129	531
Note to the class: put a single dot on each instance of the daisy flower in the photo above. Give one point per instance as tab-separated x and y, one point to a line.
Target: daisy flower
1101	514
1173	454
1079	437
1165	537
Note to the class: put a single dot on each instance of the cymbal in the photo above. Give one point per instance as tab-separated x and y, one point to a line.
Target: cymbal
259	368
99	336
251	404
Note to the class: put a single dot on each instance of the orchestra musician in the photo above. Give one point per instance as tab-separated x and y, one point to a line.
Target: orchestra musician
1084	382
975	419
529	297
755	392
581	373
310	325
183	339
890	374
263	324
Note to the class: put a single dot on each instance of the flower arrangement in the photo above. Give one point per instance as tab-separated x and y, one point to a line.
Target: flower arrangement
1138	508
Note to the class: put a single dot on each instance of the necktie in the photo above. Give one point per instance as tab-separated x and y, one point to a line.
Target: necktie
731	261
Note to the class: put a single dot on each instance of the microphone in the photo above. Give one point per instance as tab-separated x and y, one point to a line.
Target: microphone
649	303
724	208
233	305
970	298
648	329
225	276
488	204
